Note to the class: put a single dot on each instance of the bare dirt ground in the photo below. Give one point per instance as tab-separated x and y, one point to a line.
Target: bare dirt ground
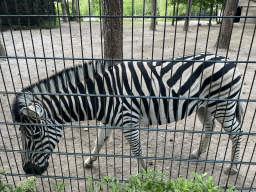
84	41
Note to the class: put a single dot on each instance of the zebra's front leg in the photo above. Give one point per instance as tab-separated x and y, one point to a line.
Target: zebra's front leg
207	120
133	137
102	138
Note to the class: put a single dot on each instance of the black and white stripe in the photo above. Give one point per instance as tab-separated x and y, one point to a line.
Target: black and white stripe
166	84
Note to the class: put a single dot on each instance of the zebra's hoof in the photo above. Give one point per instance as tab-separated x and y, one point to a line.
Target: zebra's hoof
88	165
194	155
230	171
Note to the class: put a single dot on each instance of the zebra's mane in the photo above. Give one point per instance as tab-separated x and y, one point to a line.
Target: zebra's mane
79	72
57	82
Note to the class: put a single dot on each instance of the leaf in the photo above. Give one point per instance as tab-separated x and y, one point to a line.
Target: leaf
89	187
204	174
62	186
90	179
54	185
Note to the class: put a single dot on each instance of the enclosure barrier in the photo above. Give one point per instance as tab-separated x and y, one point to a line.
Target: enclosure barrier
45	42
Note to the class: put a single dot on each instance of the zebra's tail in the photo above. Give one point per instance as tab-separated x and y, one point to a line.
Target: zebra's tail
240	110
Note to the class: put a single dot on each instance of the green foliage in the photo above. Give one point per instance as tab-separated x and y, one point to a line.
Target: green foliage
84	7
5	187
169	11
27	185
138	7
153	181
50	24
59	186
207	3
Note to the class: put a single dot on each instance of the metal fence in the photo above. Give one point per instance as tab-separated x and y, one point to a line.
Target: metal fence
35	53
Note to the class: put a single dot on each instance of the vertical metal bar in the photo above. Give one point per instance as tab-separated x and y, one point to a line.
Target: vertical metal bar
8	160
173	54
6	7
80	128
251	159
64	62
7	95
250	88
236	60
89	138
37	2
207	40
58	148
166	126
55	70
195	48
71	128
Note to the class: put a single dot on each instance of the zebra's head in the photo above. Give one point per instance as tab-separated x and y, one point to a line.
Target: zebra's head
39	136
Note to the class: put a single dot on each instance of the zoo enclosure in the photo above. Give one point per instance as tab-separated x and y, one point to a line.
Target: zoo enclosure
38	51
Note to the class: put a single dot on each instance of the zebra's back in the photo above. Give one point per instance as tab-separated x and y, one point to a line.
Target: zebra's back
200	76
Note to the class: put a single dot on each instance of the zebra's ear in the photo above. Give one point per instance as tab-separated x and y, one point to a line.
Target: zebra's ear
30	111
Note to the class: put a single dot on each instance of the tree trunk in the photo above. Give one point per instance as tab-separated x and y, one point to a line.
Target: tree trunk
173	19
73	7
226	28
217	12
186	24
77	11
113	29
210	20
2	51
64	11
153	13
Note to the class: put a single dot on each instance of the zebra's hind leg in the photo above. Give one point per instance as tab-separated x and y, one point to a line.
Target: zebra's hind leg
207	121
103	135
133	137
235	154
229	122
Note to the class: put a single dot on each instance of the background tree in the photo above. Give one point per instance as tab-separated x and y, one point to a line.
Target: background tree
113	29
64	10
186	24
77	11
226	27
209	4
153	13
174	6
27	7
73	11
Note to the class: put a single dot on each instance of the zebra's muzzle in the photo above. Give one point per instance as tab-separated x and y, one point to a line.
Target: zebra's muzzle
31	168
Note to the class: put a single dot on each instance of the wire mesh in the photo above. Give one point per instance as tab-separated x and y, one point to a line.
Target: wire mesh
36	52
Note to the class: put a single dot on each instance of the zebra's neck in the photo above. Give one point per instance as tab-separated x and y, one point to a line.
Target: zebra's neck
62	95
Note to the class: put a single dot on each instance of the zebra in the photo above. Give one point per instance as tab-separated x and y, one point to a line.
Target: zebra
127	95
